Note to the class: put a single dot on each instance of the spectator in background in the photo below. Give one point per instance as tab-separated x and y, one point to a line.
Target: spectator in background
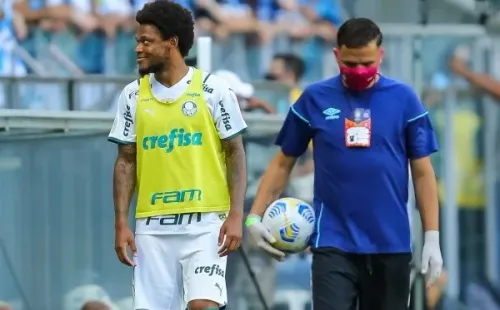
12	29
469	168
231	23
244	92
310	18
287	69
481	81
266	12
80	13
310	26
469	164
33	12
223	18
13	24
35	16
209	20
113	16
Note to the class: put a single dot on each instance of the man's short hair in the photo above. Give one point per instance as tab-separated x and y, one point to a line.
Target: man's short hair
358	32
171	19
292	63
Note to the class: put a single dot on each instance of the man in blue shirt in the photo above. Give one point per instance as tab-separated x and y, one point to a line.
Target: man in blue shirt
366	130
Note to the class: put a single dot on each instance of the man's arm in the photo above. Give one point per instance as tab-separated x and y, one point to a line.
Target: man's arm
420	144
481	81
229	123
424	182
123	134
273	183
20	27
293	138
254	104
484	82
236	171
124	181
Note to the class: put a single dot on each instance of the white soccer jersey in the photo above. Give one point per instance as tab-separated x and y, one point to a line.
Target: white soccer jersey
225	110
221	101
177	259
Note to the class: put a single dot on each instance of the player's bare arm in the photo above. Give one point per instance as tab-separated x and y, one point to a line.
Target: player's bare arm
237	182
236	171
273	183
424	180
124	180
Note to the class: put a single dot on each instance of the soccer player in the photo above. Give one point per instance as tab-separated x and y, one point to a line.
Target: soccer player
366	129
178	131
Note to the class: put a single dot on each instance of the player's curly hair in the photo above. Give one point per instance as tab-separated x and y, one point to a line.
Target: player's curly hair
171	19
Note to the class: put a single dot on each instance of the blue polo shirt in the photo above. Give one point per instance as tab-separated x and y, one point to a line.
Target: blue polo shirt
360	193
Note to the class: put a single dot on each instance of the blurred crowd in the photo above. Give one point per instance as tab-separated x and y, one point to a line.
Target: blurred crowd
55	37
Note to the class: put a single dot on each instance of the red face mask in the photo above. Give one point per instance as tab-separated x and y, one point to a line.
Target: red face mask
358	78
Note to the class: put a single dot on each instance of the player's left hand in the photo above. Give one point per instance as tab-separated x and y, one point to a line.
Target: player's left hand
232	230
432	261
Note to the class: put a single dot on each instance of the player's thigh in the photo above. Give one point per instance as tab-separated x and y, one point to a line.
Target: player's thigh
388	285
158	274
334	280
204	272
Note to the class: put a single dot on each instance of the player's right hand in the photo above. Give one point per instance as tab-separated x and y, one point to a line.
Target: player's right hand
124	238
262	237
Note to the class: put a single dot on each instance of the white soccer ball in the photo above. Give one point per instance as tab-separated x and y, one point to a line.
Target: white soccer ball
291	221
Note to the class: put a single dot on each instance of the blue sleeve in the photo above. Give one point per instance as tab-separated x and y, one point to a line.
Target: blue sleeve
421	139
296	133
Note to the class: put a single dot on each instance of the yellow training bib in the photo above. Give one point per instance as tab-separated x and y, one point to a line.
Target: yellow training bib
180	163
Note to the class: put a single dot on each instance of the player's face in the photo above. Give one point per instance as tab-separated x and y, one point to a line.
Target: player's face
152	50
366	56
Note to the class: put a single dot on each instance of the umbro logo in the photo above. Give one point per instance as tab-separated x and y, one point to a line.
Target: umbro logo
331	113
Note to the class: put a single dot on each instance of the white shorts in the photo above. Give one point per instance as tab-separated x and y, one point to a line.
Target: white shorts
175	269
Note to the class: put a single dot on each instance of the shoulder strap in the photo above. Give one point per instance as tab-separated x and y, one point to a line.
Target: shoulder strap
143	86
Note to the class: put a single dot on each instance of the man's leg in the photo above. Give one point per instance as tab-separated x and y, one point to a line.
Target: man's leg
204	272
157	276
385	283
334	280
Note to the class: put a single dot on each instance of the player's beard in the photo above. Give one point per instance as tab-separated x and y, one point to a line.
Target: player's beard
155	68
